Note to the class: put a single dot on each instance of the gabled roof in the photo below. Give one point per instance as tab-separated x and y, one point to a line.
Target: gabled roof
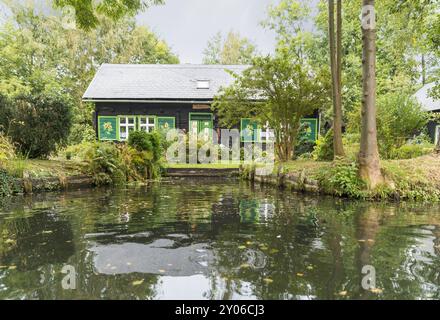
158	82
423	96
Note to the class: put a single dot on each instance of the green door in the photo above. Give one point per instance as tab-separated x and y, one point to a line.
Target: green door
202	124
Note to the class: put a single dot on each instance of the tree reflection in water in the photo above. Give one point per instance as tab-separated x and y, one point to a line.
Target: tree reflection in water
215	239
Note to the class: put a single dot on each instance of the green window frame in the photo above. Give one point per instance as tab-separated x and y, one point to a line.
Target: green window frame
200	125
124	123
244	122
149	125
162	122
108	128
314	134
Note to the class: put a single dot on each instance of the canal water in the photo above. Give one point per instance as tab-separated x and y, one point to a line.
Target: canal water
214	239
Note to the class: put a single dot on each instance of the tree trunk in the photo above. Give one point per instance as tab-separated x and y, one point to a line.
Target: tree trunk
423	69
336	71
369	164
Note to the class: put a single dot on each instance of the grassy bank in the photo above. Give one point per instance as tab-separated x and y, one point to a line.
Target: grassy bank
415	179
43	168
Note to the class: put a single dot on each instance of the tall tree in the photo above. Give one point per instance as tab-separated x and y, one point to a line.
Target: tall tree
369	162
288	88
39	51
233	49
336	71
87	12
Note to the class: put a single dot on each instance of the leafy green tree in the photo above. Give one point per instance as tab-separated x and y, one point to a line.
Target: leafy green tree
233	49
40	50
402	37
37	122
278	91
87	12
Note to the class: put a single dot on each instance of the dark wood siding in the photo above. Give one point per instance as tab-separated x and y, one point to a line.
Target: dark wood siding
178	110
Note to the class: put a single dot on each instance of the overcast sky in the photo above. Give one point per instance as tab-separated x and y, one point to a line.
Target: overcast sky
187	25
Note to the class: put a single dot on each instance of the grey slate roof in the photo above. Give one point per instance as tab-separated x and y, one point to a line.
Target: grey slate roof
157	82
428	103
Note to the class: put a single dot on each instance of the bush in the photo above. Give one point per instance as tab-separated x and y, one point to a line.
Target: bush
7	184
37	122
410	151
399	118
105	164
151	142
324	147
342	179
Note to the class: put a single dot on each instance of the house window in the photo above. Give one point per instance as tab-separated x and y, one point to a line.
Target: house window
147	123
127	124
202	84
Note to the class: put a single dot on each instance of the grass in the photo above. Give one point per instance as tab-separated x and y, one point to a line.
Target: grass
422	170
43	168
310	167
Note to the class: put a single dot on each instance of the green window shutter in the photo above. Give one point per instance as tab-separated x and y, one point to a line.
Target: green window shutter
311	128
108	128
249	130
166	123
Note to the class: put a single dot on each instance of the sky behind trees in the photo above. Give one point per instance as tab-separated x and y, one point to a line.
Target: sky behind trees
187	25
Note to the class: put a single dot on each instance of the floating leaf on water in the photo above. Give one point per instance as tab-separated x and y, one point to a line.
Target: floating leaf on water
376	290
137	282
268	280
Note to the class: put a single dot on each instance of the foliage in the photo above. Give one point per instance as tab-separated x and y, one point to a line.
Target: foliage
38	122
151	142
278	91
304	146
342	179
403	37
87	12
40	52
410	151
7	184
7	148
324	147
146	150
399	118
233	49
105	164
